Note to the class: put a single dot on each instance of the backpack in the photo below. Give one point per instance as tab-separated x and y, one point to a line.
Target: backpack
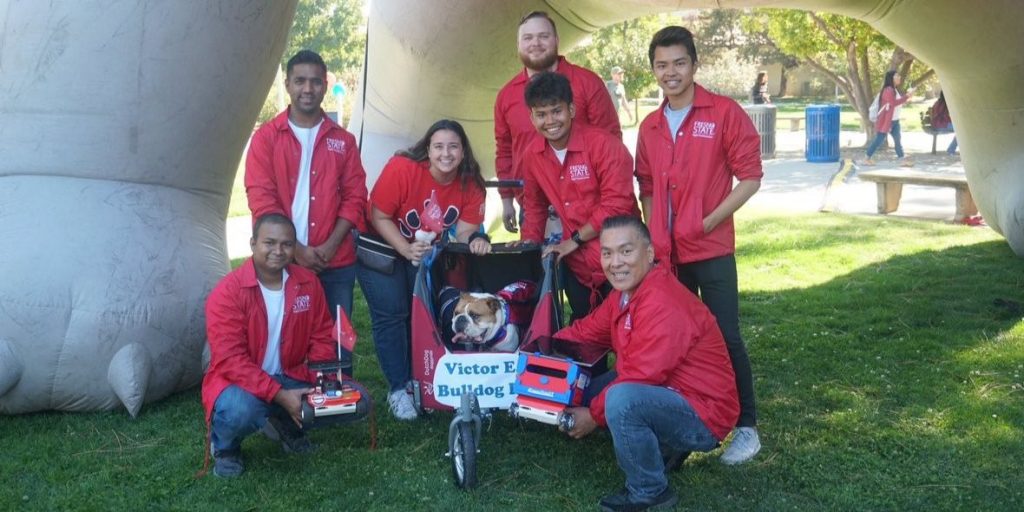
873	109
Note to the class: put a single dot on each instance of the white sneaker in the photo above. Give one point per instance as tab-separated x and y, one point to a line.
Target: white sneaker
401	405
745	444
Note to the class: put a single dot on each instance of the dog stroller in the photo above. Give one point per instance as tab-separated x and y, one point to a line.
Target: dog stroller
473	382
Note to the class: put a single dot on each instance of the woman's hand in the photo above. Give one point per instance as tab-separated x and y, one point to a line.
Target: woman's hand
480	246
414	251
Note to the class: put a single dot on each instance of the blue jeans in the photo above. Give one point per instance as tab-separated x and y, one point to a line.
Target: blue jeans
238	413
648	423
389	297
338	284
896	140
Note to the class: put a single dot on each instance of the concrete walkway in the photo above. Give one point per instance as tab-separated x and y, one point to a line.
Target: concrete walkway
791	184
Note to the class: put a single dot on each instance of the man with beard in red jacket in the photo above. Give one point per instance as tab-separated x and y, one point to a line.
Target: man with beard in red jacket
537	42
673	390
264	322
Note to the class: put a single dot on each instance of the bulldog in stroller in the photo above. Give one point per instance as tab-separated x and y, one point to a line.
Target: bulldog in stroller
486	322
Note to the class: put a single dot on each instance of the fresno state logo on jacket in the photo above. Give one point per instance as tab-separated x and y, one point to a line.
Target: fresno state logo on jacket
410	222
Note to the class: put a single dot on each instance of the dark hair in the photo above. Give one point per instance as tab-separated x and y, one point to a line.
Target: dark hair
539	14
890	77
271	218
672	36
305	57
628	221
760	75
469	168
547	88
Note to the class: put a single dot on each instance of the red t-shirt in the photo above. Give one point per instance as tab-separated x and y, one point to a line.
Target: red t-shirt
404	185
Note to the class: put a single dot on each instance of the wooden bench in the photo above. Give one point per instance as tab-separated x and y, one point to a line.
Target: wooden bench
890	188
794	122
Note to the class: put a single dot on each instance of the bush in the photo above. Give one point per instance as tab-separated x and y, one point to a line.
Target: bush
729	74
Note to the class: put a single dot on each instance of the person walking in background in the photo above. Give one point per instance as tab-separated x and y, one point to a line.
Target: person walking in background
690	152
537	41
618	92
887	121
759	92
941	121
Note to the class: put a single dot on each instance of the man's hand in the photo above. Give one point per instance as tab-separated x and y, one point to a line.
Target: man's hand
563	248
325	252
308	257
508	214
291	401
585	423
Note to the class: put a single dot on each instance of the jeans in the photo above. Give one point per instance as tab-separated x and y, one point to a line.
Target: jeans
952	146
896	140
389	297
238	413
714	281
647	423
338	284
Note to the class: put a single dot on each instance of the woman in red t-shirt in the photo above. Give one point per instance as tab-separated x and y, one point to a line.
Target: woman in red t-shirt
441	165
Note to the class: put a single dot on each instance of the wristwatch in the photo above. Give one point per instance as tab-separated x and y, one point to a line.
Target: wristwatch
577	238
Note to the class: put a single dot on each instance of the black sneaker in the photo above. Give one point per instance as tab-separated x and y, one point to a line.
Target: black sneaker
291	438
228	464
623	502
675	461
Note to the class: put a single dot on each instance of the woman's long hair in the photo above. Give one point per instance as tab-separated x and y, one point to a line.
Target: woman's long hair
889	80
469	168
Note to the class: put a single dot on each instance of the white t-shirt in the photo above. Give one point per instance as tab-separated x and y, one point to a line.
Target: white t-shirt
560	153
300	202
675	119
274	300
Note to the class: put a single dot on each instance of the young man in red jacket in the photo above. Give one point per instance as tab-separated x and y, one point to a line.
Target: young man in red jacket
673	390
537	41
305	166
688	153
264	322
584	173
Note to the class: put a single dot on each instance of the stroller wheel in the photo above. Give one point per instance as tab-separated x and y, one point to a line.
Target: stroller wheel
464	456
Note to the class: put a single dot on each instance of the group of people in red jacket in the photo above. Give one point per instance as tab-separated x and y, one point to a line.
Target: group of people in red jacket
662	295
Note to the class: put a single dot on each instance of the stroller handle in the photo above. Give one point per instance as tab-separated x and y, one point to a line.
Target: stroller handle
504	184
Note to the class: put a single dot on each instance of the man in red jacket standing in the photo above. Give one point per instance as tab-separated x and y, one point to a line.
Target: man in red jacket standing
584	173
673	390
264	322
305	166
688	153
537	40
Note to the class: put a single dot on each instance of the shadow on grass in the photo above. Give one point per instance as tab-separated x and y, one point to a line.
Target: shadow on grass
894	386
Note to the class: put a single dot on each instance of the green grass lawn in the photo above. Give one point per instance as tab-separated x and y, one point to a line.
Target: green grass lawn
887	355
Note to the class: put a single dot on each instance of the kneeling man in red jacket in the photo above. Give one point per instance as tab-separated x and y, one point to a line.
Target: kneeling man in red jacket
264	322
673	390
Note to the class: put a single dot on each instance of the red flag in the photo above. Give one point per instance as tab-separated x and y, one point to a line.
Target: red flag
343	332
432	217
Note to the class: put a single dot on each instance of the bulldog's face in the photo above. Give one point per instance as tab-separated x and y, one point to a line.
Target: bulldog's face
477	317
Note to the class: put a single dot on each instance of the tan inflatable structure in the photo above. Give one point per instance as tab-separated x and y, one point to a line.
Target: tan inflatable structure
121	126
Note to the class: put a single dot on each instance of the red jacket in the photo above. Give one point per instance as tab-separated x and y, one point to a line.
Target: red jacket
716	142
337	186
888	100
664	337
236	327
513	128
594	183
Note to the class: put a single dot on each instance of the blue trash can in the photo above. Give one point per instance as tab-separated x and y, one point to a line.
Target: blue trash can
822	123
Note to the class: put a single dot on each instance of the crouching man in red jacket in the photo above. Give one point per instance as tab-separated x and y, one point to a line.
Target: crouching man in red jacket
264	322
673	390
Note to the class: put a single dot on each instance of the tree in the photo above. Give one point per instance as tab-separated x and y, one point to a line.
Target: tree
844	49
622	44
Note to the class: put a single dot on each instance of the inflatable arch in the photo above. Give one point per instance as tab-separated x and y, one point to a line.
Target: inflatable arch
122	124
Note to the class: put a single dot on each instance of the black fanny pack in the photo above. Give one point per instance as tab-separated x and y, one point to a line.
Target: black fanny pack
375	254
